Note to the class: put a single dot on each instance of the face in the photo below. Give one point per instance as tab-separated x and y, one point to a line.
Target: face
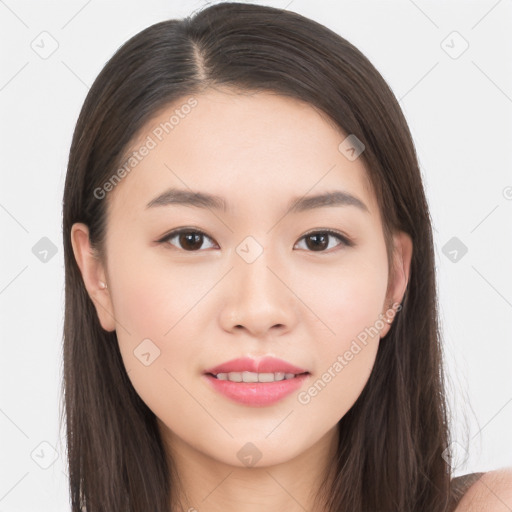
254	279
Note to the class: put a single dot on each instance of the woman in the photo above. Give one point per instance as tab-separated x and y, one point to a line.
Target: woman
251	317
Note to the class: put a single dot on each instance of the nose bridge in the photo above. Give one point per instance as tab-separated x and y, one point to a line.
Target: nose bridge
253	268
259	299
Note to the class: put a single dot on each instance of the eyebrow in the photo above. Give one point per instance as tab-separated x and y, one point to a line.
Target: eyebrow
175	196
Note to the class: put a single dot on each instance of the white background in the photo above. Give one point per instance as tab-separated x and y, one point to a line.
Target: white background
460	114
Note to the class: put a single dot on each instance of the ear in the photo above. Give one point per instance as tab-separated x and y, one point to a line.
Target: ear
93	274
398	279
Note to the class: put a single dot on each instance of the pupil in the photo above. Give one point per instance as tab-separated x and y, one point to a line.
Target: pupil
316	245
185	240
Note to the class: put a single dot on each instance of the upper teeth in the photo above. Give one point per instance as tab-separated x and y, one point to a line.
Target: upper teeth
254	377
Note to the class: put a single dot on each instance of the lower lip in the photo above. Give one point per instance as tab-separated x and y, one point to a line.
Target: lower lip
257	393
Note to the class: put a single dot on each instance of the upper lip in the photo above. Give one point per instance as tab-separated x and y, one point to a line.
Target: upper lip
263	365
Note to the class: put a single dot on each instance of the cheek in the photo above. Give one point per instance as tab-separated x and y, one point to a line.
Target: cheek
345	297
160	348
333	390
155	297
348	303
157	327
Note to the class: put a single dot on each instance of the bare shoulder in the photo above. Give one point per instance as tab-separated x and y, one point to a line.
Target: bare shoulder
492	492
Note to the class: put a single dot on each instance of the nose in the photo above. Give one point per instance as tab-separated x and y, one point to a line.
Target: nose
259	299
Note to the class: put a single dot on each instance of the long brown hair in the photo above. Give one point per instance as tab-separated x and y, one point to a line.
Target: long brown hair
390	453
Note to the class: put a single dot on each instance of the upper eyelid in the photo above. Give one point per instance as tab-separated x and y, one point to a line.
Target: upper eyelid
178	231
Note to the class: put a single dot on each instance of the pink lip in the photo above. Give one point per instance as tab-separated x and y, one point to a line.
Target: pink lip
256	393
264	365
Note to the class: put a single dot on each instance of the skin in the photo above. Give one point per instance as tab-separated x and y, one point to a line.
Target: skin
492	492
301	305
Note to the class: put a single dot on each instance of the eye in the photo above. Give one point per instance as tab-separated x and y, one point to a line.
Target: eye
319	240
190	239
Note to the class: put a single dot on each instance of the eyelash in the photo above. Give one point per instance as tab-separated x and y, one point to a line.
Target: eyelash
345	241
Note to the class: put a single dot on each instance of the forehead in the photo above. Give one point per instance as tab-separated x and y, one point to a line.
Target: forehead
255	149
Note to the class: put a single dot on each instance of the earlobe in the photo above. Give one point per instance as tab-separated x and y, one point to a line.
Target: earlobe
93	275
397	285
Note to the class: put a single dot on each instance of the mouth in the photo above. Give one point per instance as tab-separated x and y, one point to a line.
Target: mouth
256	382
